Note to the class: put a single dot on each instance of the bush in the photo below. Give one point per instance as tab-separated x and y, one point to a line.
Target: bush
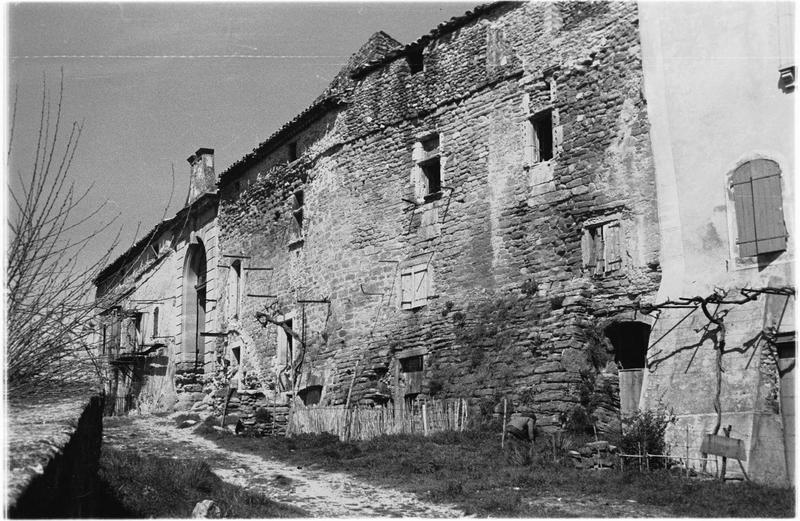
646	429
577	421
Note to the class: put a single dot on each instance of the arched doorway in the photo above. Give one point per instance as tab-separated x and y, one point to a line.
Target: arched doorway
630	340
194	305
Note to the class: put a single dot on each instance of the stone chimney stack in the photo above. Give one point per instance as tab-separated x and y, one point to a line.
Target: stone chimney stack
203	179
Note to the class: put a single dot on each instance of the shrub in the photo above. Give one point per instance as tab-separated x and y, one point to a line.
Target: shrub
646	429
577	421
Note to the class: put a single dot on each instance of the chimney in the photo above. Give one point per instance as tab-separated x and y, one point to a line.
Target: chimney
202	178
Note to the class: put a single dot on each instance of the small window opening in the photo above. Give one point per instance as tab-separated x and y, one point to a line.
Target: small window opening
236	289
137	326
542	124
431	171
297	213
428	169
292	148
412	364
155	322
410	398
414	60
311	395
105	338
285	356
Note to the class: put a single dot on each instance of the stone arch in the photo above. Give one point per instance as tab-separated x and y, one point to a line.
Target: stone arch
629	335
194	305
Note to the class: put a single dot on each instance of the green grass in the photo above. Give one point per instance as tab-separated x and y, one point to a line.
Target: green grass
468	469
168	488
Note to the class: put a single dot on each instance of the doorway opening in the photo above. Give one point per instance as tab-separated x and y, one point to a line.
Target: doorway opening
630	340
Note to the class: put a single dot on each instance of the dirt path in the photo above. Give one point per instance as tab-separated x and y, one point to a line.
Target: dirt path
323	493
320	493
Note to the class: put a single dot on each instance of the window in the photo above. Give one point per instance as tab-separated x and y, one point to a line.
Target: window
428	169
297	215
414	60
758	206
539	138
235	287
414	286
292	151
155	322
285	356
411	364
601	247
105	339
311	394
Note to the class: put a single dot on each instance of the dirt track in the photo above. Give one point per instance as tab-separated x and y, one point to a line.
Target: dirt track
323	493
320	493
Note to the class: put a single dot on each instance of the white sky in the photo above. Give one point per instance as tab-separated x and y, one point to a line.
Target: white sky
144	109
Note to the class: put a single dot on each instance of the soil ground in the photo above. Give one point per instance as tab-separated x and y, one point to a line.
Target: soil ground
322	493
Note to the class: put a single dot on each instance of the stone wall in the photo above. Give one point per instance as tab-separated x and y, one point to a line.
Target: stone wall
512	306
54	452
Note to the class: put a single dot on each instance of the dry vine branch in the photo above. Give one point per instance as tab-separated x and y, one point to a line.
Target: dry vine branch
48	298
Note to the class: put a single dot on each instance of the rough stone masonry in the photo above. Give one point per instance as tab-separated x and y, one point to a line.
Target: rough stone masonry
459	215
462	216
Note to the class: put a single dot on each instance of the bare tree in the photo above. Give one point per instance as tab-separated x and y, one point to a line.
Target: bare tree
49	295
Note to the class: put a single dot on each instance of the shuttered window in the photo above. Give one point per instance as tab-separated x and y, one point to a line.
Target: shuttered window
414	286
601	247
758	204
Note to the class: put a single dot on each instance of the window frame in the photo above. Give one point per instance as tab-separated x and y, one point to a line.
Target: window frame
736	261
428	165
608	226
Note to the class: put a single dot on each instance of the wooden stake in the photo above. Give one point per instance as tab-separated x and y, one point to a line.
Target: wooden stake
727	433
686	462
503	433
348	417
425	418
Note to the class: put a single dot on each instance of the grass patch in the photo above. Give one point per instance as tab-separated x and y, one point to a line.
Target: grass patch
164	487
468	469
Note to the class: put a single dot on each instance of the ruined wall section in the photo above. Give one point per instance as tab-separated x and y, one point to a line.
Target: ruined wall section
510	301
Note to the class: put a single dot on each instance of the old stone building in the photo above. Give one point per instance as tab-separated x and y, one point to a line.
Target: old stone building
477	214
155	300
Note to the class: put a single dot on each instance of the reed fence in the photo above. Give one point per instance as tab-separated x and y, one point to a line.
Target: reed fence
363	423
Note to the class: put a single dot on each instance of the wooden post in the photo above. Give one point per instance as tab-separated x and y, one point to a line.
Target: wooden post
727	433
425	419
686	463
347	416
503	433
640	456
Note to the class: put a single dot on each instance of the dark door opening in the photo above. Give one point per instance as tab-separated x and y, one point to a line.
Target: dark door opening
630	340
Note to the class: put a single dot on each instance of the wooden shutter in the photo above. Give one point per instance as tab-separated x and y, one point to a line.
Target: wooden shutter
768	203
282	349
114	335
420	286
612	254
406	289
599	251
537	154
759	209
587	249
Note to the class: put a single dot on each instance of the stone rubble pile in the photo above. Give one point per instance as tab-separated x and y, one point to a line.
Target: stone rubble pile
594	455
